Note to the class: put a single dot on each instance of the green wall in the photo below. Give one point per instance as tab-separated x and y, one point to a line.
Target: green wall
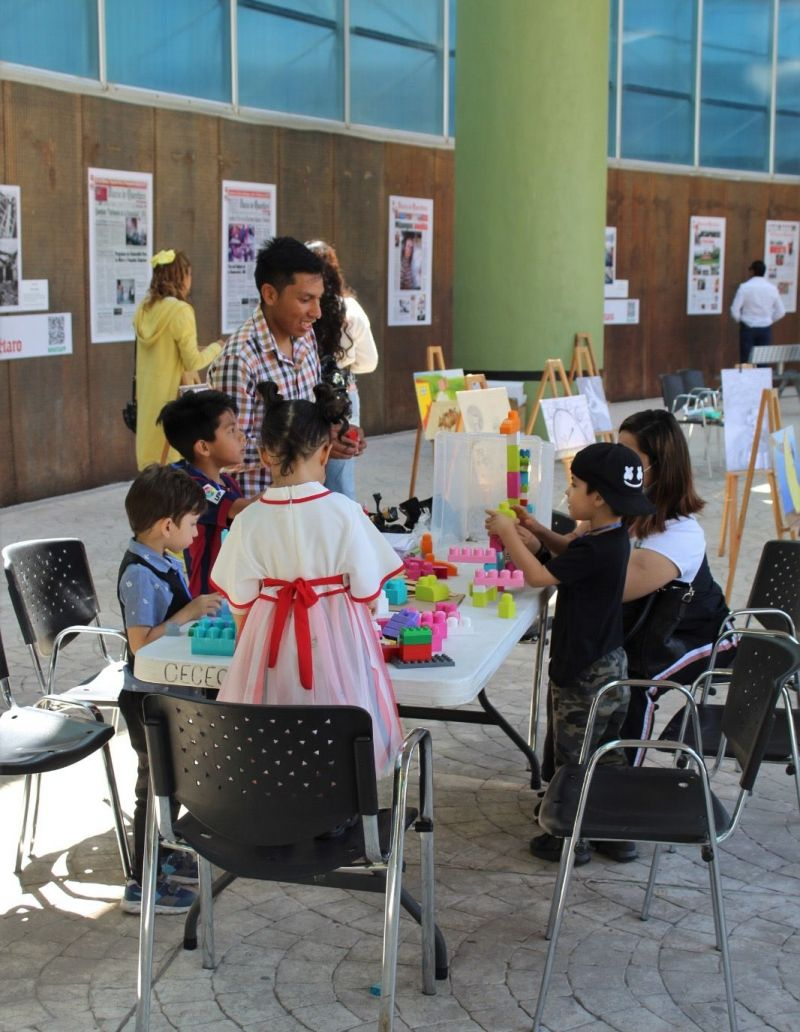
530	180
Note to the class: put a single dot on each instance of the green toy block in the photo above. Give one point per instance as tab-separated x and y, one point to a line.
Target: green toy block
416	636
512	458
480	596
431	589
507	607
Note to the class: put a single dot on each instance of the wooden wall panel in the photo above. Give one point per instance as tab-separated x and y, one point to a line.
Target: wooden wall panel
12	442
187	206
651	212
359	236
305	184
116	136
49	396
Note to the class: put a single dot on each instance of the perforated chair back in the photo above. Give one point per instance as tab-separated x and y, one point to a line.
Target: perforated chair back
561	523
691	379
267	775
51	588
776	584
761	668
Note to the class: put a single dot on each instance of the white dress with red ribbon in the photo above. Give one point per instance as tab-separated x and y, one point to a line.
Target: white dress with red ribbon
303	563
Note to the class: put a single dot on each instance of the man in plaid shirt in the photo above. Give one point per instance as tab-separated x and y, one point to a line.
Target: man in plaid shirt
276	343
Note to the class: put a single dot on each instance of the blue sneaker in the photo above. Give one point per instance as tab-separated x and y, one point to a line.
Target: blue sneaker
170	899
180	867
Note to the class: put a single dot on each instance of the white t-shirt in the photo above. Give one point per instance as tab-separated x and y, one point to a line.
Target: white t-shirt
683	542
361	352
757	303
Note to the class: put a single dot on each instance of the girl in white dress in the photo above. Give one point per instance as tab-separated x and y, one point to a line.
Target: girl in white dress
299	569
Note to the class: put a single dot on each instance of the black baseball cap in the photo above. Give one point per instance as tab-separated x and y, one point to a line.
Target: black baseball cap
616	472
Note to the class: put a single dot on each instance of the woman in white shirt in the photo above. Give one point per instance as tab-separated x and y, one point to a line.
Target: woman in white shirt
346	347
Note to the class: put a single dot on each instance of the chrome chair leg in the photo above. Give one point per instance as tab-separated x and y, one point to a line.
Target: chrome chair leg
23	844
206	911
427	871
562	870
567	863
36	786
116	809
147	920
651	882
391	924
722	933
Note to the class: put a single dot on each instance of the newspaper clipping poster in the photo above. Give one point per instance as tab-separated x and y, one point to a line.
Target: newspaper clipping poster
780	258
706	265
248	221
10	248
120	248
410	260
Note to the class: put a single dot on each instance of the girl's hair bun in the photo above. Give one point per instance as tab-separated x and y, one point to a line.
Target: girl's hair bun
333	405
269	393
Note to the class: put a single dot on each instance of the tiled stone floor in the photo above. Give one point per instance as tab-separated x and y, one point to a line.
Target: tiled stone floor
297	958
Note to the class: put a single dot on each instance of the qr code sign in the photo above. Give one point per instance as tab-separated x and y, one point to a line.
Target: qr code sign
56	333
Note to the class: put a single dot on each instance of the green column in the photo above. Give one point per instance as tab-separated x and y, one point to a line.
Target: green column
530	179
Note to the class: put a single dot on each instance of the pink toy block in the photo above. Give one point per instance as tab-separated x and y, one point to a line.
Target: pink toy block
508	580
512	485
448	608
472	555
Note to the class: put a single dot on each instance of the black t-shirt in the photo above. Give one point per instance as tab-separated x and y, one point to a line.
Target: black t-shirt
588	619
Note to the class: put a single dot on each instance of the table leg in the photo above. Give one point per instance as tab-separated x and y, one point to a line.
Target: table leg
538	670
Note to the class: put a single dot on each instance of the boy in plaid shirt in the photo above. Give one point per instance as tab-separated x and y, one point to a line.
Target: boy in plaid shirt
276	343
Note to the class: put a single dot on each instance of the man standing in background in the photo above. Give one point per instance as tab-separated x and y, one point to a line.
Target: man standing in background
756	307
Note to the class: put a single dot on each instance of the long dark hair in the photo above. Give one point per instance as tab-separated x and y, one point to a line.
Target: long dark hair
659	437
296	428
332	324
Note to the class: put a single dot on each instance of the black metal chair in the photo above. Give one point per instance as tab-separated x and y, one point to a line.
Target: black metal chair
667	805
53	734
562	523
54	599
774	601
286	793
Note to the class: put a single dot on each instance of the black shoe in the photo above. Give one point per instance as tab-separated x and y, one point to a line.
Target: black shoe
622	852
548	847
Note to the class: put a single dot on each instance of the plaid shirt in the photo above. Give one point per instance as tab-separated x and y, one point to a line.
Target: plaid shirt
251	356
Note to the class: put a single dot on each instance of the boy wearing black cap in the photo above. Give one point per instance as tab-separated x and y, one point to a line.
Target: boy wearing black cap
586	644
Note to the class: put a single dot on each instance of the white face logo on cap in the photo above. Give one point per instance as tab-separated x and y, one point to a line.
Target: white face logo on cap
634	475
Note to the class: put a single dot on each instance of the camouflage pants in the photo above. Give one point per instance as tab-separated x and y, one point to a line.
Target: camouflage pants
569	707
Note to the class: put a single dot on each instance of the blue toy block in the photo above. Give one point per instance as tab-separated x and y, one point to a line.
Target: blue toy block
213	636
396	591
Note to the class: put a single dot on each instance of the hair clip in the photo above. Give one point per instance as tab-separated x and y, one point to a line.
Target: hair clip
163	258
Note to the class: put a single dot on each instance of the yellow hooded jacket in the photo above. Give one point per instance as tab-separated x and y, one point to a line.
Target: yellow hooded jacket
166	348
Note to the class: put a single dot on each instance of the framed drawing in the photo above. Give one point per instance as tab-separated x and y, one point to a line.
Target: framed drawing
568	424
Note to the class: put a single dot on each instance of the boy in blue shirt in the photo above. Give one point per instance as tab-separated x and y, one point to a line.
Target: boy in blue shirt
586	647
163	507
202	426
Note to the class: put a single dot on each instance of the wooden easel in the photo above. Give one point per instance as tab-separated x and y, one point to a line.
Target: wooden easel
583	360
552	367
769	409
475	381
434	360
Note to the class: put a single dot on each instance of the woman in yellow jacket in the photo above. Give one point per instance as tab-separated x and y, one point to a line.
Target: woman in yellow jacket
166	349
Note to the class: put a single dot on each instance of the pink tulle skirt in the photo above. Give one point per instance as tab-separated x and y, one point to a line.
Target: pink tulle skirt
348	668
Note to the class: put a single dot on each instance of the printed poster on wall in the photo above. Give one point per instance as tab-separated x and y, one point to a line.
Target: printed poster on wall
120	248
410	261
611	254
780	257
35	336
10	247
706	265
248	221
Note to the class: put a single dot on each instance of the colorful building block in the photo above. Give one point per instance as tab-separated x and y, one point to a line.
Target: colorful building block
429	589
409	653
448	608
472	555
396	591
416	635
507	607
480	596
508	580
455	627
213	636
426	544
435	661
397	621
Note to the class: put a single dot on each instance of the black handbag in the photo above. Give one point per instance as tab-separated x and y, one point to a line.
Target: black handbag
129	409
651	624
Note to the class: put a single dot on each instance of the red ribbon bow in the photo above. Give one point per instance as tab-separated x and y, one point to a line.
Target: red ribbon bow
296	596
